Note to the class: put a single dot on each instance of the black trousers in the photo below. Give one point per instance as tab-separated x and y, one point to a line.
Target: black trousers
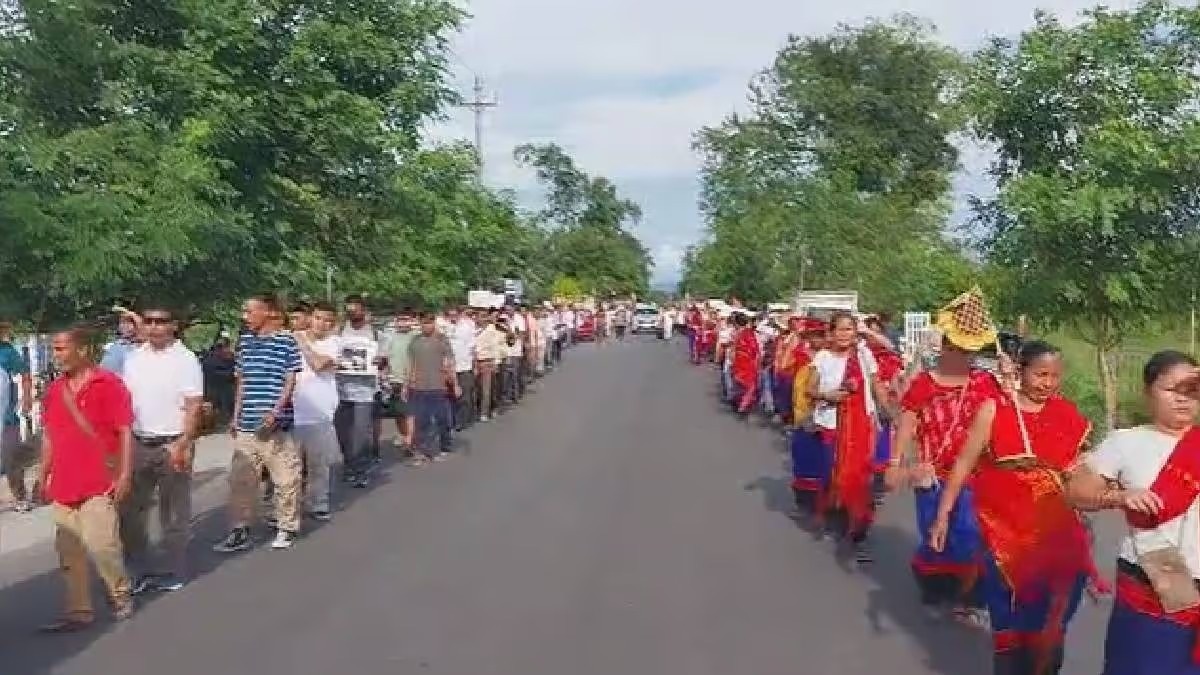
465	413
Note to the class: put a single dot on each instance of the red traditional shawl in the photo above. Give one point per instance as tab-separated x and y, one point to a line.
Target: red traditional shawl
746	356
1034	534
854	448
890	363
941	432
1177	484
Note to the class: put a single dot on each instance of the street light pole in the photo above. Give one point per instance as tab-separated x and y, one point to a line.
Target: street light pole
329	283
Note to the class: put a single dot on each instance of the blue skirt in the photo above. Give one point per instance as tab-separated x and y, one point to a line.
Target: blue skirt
1140	644
812	461
783	394
1018	625
883	446
948	576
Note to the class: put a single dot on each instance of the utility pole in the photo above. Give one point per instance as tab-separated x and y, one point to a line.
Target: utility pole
479	105
1192	340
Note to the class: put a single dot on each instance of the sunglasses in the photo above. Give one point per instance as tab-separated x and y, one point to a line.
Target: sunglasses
156	320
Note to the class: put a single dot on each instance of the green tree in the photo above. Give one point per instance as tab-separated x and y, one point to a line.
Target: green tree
585	221
839	176
567	287
198	150
1097	134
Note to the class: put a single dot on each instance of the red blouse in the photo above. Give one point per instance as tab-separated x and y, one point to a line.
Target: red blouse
944	414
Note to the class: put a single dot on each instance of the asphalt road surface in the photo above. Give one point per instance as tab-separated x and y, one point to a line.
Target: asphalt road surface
617	523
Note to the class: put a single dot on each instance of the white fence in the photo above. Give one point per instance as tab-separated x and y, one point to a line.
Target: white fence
919	335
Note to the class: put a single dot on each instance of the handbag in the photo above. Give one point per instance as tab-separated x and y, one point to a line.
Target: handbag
1168	572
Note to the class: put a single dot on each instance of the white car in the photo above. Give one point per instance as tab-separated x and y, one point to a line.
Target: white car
646	320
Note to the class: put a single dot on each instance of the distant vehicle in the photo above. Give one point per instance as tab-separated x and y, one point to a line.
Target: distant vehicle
586	332
646	319
821	304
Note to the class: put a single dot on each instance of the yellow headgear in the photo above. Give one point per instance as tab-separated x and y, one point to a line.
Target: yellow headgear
965	322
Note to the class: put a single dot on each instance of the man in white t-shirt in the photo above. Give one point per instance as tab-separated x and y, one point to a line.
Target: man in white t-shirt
461	331
359	416
316	401
166	388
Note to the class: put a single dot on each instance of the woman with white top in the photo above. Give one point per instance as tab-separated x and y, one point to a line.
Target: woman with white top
1152	474
847	392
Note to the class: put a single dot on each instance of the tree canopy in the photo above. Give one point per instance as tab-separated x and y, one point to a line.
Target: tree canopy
199	150
844	161
1097	219
585	224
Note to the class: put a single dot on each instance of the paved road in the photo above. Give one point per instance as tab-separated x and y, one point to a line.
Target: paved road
618	523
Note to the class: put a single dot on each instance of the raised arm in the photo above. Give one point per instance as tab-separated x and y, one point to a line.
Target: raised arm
976	443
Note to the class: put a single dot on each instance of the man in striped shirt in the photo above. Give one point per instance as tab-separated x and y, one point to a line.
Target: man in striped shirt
268	361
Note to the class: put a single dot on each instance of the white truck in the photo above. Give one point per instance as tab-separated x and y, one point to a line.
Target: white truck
821	304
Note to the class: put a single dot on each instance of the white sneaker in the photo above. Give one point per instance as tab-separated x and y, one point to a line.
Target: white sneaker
283	540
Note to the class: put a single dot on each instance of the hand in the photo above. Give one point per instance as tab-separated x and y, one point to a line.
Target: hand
923	474
121	486
937	533
180	456
895	476
835	396
1142	501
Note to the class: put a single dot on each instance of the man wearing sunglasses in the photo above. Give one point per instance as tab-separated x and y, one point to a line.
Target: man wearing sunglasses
166	386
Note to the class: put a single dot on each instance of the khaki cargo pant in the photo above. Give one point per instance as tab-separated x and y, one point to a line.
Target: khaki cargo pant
153	475
279	454
89	530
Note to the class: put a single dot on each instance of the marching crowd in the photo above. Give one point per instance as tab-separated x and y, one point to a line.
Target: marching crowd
1000	468
313	391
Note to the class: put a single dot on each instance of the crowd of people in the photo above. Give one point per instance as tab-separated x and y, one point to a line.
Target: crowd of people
999	466
314	388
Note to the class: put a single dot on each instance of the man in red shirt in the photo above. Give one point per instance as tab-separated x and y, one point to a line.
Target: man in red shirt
87	453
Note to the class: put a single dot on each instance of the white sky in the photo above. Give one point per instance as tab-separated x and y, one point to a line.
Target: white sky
623	84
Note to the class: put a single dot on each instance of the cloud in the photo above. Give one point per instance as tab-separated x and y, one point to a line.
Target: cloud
623	84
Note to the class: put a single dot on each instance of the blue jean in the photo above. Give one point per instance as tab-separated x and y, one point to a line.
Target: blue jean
430	411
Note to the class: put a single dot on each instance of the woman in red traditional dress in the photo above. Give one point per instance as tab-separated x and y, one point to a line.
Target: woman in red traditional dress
936	412
788	351
1039	558
847	392
811	457
1152	474
746	355
891	367
695	327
